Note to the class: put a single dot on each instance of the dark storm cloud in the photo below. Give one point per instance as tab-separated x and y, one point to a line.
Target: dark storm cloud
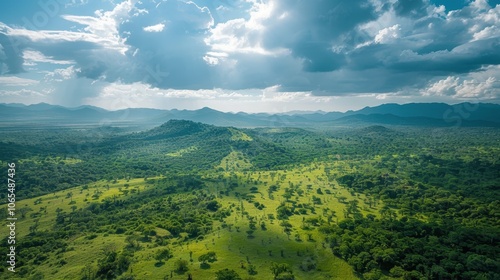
11	54
409	44
463	59
309	28
410	8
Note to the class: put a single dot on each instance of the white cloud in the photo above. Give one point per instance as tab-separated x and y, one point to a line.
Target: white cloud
25	96
388	35
12	81
32	57
61	74
21	93
246	35
272	99
58	36
487	32
236	36
275	94
154	28
481	85
103	27
478	89
443	87
211	60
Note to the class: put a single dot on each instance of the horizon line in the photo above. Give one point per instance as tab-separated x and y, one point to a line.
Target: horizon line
233	112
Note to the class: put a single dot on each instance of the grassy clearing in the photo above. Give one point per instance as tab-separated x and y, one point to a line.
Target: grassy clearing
44	208
52	160
234	161
239	135
181	152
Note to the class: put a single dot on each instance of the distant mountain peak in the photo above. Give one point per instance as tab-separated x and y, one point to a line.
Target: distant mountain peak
422	114
207	109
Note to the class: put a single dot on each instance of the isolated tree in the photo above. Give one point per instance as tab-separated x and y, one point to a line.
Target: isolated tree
213	205
33	228
251	269
24	210
163	254
282	271
132	242
342	199
227	274
181	265
208	257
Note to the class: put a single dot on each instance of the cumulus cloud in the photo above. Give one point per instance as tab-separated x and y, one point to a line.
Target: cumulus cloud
465	89
334	43
481	85
301	29
388	34
314	48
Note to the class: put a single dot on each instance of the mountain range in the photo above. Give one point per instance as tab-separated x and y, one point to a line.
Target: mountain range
412	114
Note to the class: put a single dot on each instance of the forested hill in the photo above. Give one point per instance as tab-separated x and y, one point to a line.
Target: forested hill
80	156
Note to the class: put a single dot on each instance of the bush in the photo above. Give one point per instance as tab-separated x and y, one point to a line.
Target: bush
181	265
227	274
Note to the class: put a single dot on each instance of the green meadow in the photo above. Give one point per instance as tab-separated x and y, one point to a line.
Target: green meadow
230	239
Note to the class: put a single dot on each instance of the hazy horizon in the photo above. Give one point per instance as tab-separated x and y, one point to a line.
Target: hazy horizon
235	112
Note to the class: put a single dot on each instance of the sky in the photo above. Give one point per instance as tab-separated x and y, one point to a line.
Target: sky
249	55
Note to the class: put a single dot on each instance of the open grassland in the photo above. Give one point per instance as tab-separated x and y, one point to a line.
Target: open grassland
42	210
238	245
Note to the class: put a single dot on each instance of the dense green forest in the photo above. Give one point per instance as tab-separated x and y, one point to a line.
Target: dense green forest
188	200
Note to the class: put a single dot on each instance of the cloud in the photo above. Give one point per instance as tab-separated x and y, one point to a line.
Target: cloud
463	89
10	81
36	56
154	28
272	99
388	34
414	8
10	60
355	47
301	29
476	89
21	93
481	85
60	74
177	54
315	48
